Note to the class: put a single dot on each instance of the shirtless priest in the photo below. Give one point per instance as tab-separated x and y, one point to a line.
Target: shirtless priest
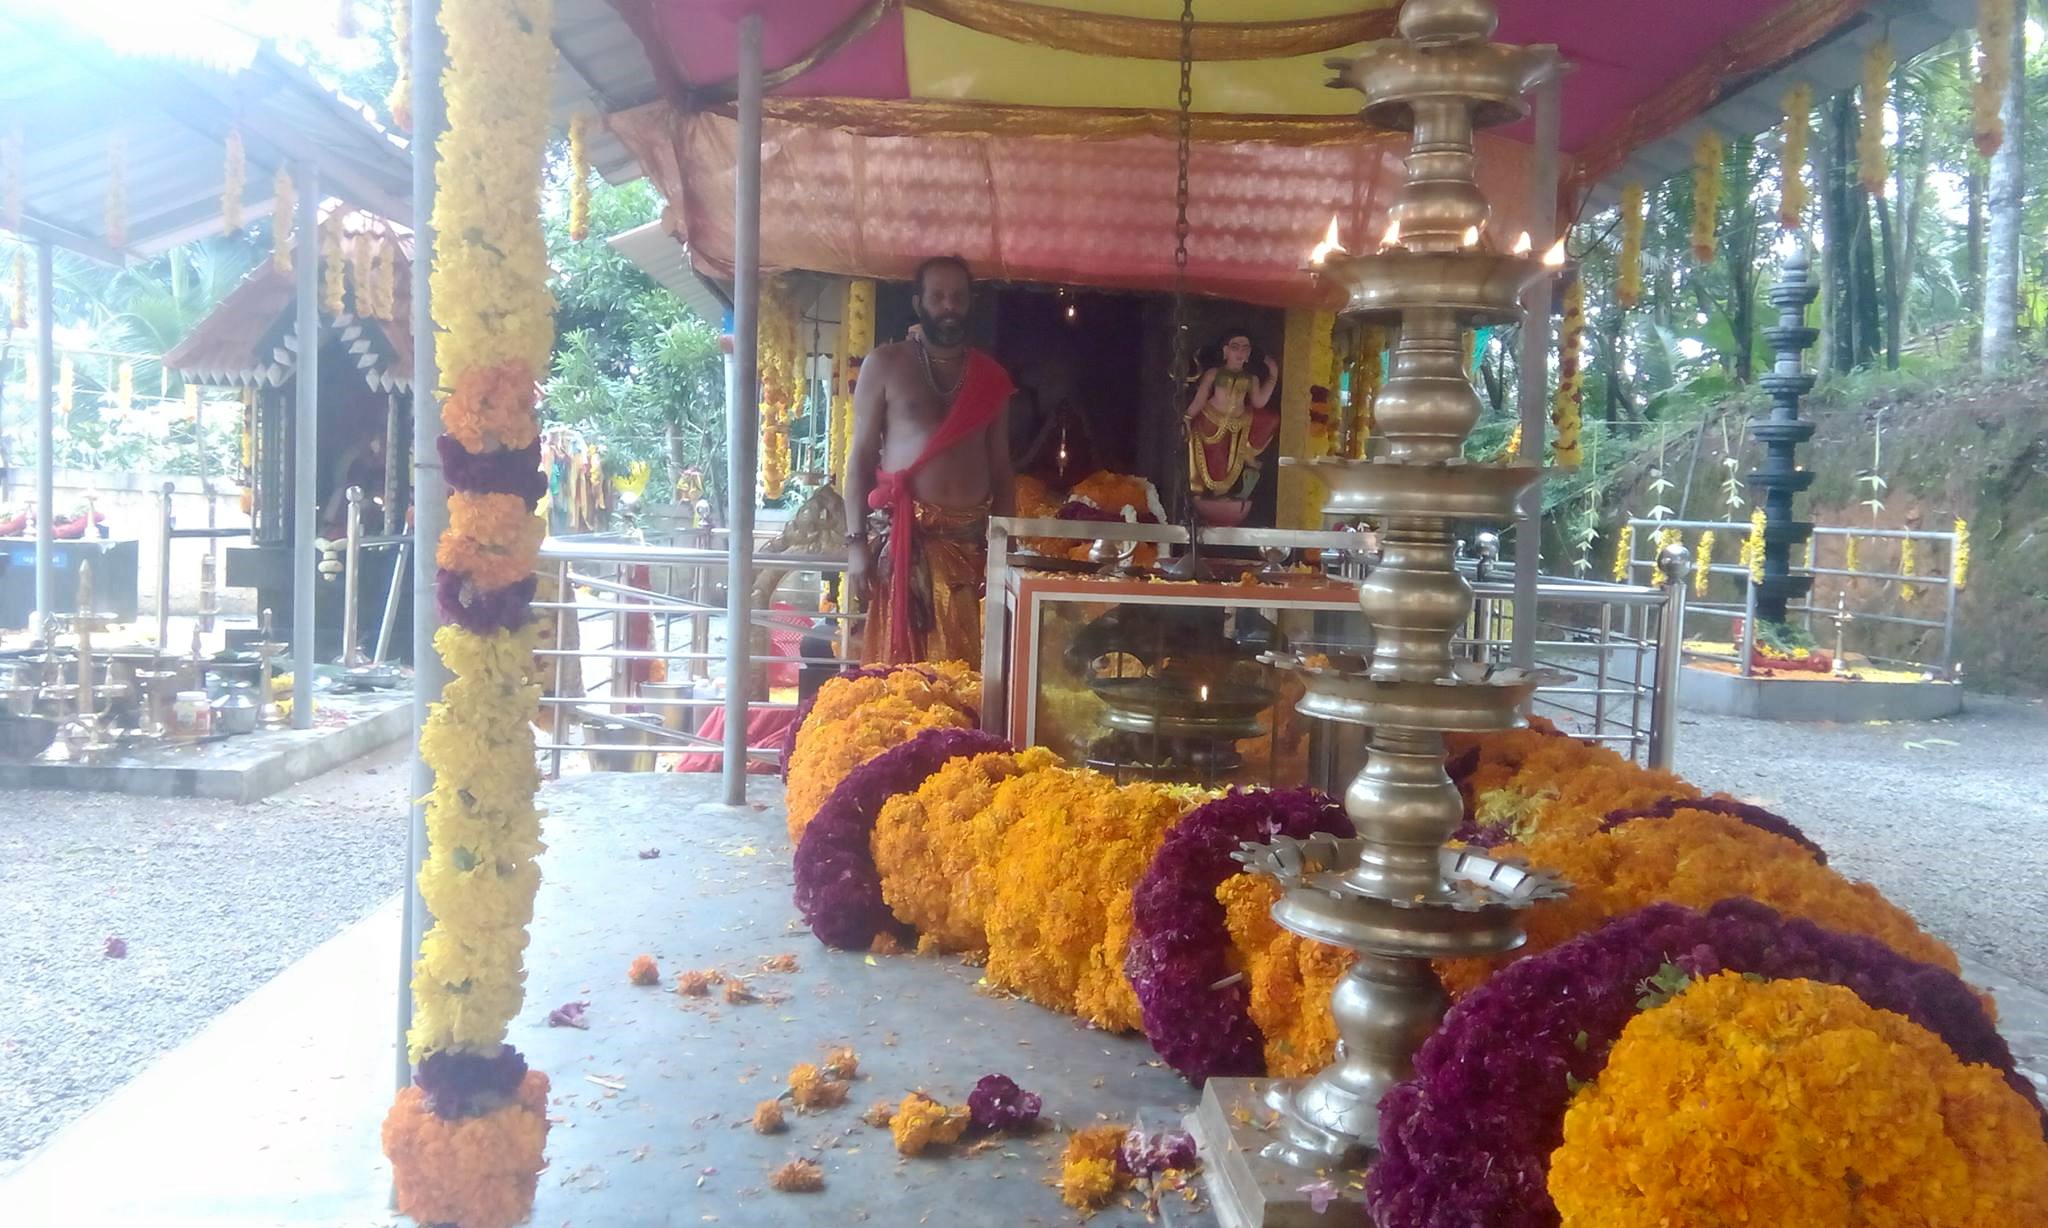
931	459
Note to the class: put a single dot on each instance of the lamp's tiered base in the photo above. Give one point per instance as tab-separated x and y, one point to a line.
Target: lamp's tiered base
1233	1127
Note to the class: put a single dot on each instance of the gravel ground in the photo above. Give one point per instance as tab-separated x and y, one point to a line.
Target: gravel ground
212	898
1945	817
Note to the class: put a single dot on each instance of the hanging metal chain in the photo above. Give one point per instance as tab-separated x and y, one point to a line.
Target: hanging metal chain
1177	373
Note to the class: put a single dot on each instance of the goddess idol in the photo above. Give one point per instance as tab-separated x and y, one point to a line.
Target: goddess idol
1228	424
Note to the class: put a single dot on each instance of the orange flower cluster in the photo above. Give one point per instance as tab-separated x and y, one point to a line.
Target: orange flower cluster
856	719
1289	979
812	1091
768	1118
1555	786
921	1122
1799	1098
478	1172
491	539
1074	844
492	408
1694	858
936	848
1089	1176
644	971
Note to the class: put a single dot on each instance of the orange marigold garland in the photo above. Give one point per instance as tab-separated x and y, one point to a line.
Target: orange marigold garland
1995	19
1799	1097
1792	166
1872	164
1706	196
464	1149
855	719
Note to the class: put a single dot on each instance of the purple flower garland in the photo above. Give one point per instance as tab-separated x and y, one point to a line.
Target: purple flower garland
1754	816
1469	1139
1179	949
838	888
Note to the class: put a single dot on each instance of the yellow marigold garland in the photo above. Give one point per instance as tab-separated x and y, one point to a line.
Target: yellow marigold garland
1792	195
1959	565
1060	917
1909	565
1753	546
1798	1097
579	177
1628	287
285	194
1849	559
936	848
856	338
1571	377
1995	20
1089	1173
856	719
333	265
1623	546
1706	196
361	259
233	170
1872	167
399	100
1703	563
1288	979
1366	377
781	382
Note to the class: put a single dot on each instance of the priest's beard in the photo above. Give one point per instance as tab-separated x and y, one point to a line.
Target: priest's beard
947	330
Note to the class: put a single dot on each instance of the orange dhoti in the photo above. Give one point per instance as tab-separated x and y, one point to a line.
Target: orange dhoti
947	570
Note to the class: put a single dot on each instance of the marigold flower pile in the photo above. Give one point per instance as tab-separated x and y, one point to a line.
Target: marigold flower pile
471	1156
1121	904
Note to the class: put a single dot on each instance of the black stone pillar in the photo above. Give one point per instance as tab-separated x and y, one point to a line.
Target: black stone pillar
1781	433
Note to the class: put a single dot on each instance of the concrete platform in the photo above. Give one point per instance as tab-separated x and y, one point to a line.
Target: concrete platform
270	1118
1795	699
245	768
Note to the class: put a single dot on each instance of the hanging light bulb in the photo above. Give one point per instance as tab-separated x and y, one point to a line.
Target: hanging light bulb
1330	245
1554	258
1070	311
1523	246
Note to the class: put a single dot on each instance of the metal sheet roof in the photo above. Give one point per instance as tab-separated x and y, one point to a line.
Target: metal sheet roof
70	97
661	256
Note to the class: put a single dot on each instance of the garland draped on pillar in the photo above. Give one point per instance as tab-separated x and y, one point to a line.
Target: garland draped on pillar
781	382
466	1139
856	338
1706	196
1628	289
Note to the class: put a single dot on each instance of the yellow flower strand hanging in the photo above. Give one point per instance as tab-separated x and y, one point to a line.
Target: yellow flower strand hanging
232	173
1571	377
333	266
286	194
1995	20
399	100
361	256
1849	554
1628	288
1703	565
1753	546
1959	567
856	338
1909	565
124	395
579	178
781	383
1624	545
1366	377
1872	167
1792	195
1706	196
117	191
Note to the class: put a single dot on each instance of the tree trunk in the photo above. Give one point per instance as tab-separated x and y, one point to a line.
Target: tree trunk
1837	233
2005	197
1973	260
1869	324
1620	406
1740	253
1894	305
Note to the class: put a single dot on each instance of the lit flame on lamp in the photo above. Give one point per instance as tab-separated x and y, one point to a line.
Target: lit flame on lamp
1523	246
1470	238
1205	693
1393	236
1554	258
1330	246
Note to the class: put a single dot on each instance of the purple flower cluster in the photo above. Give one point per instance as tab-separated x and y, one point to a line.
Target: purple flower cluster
1148	1155
1468	1140
1178	958
838	888
1754	816
512	471
1074	509
997	1103
469	1084
461	603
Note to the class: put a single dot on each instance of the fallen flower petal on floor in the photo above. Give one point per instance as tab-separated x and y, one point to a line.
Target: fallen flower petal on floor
768	1117
843	1063
116	948
785	962
644	971
649	854
569	1015
1320	1195
697	982
997	1103
799	1177
878	1114
739	993
920	1122
811	1090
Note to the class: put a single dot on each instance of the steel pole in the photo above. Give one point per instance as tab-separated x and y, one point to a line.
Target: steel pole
305	443
1534	395
46	445
743	414
430	492
1674	565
